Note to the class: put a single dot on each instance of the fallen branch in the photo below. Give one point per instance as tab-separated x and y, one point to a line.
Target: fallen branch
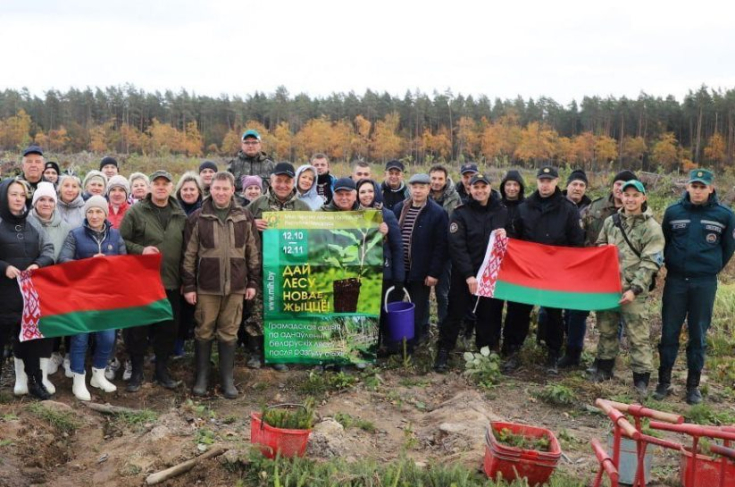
110	409
176	470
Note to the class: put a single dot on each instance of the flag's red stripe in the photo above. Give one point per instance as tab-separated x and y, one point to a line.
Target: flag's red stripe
569	269
99	283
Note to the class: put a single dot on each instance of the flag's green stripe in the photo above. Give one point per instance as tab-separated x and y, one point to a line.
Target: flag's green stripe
556	299
91	321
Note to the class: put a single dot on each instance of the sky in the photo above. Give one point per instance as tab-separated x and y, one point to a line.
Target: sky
564	49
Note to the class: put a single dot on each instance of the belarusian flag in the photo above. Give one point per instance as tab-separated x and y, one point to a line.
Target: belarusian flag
95	294
546	275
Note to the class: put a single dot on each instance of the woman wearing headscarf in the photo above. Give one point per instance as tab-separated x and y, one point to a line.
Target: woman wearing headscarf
95	183
23	246
96	239
44	212
306	187
70	204
139	187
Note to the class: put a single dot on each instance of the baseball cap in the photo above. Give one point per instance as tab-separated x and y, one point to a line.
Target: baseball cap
479	178
701	176
469	167
251	133
344	184
634	183
32	149
547	172
284	168
161	174
394	165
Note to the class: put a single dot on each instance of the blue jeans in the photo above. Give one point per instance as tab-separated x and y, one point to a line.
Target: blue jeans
104	340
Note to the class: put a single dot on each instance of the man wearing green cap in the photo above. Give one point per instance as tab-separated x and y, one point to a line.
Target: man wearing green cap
700	240
640	243
251	160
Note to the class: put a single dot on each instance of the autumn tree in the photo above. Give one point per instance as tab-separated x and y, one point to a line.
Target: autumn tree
538	143
606	149
385	142
360	144
468	138
583	146
716	149
14	131
282	148
665	150
634	149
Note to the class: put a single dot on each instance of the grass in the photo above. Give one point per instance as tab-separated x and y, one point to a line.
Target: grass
137	419
557	395
320	384
705	415
64	422
349	421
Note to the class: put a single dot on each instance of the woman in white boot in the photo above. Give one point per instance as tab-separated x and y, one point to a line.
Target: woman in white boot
43	212
95	239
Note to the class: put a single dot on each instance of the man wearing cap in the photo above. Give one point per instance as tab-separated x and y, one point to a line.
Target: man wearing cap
250	160
547	217
155	225
575	321
344	197
393	188
207	170
463	186
108	166
324	180
424	227
700	240
640	243
281	196
33	167
469	233
51	172
216	278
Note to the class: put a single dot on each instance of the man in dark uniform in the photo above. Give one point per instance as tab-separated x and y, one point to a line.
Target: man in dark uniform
469	234
467	171
700	240
547	217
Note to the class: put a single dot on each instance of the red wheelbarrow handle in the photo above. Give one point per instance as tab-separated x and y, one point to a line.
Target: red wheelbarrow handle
606	464
724	451
618	418
640	411
695	430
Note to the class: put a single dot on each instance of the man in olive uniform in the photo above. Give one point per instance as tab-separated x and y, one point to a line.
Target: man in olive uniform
594	215
640	243
251	161
700	240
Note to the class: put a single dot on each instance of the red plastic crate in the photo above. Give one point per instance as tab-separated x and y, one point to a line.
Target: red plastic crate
707	473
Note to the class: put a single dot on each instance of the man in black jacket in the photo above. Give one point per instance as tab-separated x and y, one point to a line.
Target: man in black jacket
547	217
469	234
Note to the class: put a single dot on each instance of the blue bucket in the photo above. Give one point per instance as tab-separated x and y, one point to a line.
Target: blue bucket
399	318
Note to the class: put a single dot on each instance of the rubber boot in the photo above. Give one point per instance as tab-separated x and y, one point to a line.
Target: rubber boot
441	365
21	379
202	357
226	368
640	383
36	387
604	370
79	388
571	358
552	362
254	361
162	376
663	389
694	396
44	374
592	369
136	378
54	363
512	362
100	381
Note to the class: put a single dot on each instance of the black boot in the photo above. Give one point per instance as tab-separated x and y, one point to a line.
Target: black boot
136	377
552	362
512	362
226	369
694	396
663	388
162	376
571	358
592	369
203	355
640	382
255	360
36	387
604	370
441	364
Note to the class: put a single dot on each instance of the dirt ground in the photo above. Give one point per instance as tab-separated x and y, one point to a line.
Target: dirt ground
415	412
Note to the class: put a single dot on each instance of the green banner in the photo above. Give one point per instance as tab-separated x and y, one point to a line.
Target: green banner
322	286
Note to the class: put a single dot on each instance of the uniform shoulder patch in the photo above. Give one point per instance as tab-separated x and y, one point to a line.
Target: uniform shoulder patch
453	227
711	238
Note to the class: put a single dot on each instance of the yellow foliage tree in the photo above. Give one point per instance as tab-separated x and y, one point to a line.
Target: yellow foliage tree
583	146
313	137
468	137
231	142
14	131
716	149
665	151
634	148
565	151
606	148
385	142
131	139
99	138
438	145
538	142
360	143
501	138
282	142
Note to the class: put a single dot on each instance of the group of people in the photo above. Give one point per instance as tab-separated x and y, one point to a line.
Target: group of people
208	230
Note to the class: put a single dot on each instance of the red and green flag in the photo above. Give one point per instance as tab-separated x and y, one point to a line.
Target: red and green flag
546	275
95	294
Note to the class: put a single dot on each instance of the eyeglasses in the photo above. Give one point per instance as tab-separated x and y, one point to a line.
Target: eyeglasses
251	142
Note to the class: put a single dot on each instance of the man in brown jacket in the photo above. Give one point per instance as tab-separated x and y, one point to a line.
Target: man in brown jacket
221	266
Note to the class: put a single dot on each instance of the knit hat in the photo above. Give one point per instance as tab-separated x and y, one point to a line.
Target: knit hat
107	160
97	201
118	181
251	181
44	188
625	176
53	165
94	174
577	175
208	165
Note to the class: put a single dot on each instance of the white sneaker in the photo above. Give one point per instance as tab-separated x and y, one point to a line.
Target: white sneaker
67	367
44	371
79	388
54	363
128	372
112	367
99	380
21	379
